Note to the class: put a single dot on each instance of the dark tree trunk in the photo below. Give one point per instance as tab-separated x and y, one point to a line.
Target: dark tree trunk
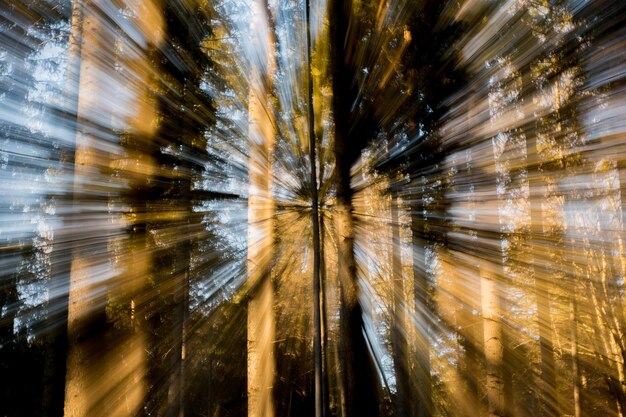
398	339
59	283
421	380
317	324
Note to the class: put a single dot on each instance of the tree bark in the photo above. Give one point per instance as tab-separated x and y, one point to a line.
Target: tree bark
542	285
420	377
398	339
360	386
574	352
261	317
106	366
317	325
493	347
85	308
55	363
358	383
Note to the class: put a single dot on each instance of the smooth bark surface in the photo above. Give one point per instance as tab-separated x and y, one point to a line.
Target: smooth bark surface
261	316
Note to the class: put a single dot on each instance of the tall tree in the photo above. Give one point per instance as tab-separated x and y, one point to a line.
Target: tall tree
549	156
399	337
315	226
261	322
179	148
359	384
431	55
96	347
62	247
493	339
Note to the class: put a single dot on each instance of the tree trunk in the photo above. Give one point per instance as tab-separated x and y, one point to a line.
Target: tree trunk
317	324
493	346
55	363
106	366
421	380
358	383
85	306
261	317
542	286
471	371
574	352
324	323
398	339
